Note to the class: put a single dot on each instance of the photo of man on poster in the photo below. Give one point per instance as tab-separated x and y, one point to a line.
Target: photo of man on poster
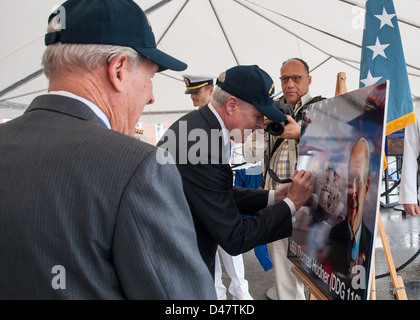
342	145
349	241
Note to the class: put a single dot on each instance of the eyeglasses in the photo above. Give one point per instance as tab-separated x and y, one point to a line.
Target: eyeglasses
295	79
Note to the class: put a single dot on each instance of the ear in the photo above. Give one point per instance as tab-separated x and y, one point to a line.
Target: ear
367	187
309	80
117	70
231	104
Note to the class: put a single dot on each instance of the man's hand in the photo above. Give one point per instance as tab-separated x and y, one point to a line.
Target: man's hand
301	188
281	192
291	130
411	209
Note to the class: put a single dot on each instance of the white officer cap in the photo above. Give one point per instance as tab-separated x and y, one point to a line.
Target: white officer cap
196	82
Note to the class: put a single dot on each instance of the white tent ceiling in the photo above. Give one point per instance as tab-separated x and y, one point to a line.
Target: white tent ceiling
212	36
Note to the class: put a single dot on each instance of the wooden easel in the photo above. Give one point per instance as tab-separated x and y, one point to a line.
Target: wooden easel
397	282
314	292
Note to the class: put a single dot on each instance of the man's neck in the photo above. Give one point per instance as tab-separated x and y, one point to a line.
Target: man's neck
302	101
90	87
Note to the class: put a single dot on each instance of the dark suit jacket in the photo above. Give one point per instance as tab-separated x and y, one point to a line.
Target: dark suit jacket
339	247
215	205
338	252
96	202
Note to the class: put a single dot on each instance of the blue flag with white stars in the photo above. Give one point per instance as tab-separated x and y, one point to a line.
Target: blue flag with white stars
383	59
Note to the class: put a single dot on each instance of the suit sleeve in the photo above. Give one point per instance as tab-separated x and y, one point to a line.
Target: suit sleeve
250	201
209	192
155	246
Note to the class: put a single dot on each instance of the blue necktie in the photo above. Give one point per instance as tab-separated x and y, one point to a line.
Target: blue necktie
227	150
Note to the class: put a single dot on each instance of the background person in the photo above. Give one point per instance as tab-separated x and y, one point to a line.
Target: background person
200	88
409	190
295	82
243	95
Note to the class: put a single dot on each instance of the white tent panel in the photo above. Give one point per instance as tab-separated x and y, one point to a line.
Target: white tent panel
411	47
23	25
213	35
334	17
165	102
162	17
195	38
11	110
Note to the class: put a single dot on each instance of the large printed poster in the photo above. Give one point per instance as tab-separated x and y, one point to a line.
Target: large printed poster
342	144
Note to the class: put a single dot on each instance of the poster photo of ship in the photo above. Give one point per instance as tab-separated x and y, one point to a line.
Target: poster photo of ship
342	144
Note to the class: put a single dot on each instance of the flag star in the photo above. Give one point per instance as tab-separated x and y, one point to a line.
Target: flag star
378	49
370	79
385	18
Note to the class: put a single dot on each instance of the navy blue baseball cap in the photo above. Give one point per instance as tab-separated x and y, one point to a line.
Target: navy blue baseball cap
111	22
255	86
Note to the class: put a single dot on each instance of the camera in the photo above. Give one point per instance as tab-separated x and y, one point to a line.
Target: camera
277	128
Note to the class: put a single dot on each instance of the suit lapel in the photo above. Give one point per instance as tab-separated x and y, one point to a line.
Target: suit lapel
209	116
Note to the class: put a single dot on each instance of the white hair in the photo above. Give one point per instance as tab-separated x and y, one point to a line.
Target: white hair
59	57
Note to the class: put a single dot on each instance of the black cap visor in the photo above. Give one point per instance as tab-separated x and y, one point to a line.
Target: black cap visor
163	60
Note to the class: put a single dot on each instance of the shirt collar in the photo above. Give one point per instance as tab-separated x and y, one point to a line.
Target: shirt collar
90	104
352	235
226	138
306	98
